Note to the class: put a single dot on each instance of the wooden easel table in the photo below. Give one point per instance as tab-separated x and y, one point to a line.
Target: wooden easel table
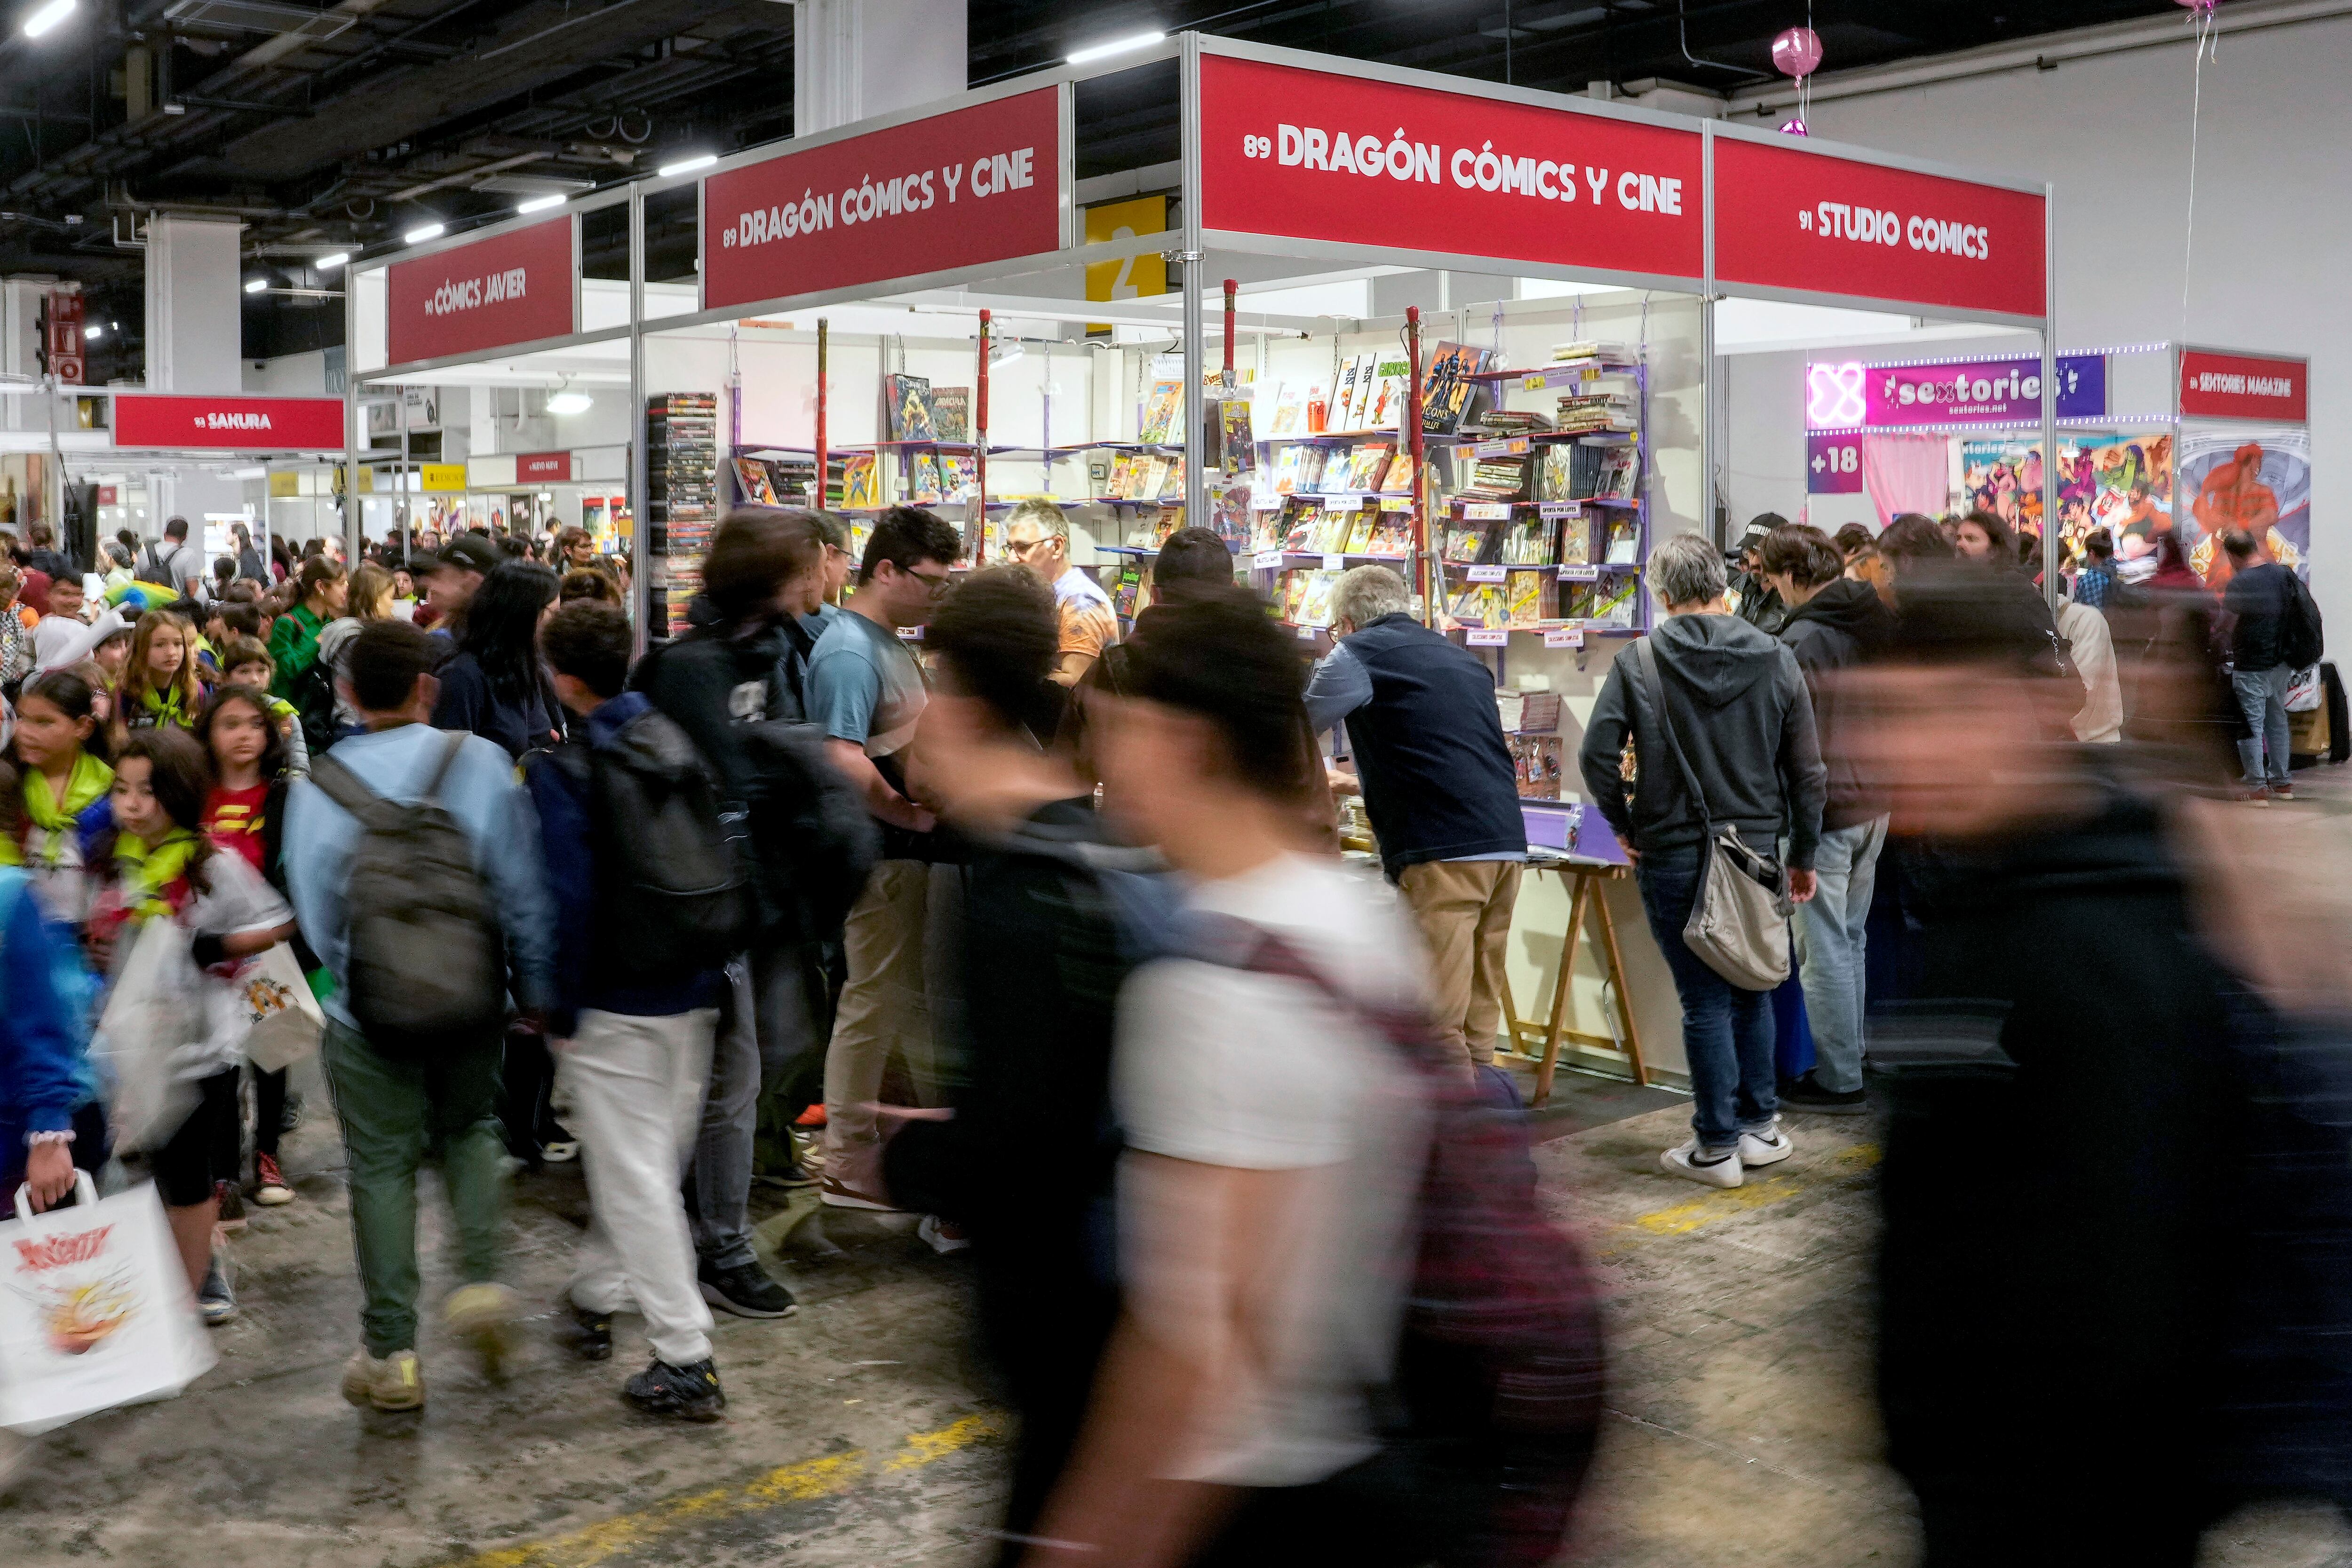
1539	1042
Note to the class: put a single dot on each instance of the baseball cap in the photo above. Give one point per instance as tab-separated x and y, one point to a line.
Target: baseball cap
471	552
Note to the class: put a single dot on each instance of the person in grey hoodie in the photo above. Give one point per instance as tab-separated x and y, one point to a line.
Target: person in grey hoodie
1835	624
1739	709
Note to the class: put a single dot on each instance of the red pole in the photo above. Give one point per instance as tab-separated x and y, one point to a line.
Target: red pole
979	433
823	331
1419	449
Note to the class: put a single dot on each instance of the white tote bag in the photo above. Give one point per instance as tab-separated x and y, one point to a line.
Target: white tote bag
156	1017
282	1018
94	1309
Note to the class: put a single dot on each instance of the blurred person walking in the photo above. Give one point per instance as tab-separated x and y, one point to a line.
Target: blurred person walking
1438	784
387	803
2257	601
1836	624
1738	707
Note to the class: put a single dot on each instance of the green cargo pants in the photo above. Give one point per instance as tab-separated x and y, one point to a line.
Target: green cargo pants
395	1116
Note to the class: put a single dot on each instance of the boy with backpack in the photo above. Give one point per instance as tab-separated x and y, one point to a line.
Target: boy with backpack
415	868
649	901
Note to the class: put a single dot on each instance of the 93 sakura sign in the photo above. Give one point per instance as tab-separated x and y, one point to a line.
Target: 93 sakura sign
511	287
229	424
1790	218
959	189
2243	386
1313	154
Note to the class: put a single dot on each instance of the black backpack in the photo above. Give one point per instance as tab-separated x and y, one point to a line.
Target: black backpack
425	969
670	870
312	694
156	569
2300	642
809	830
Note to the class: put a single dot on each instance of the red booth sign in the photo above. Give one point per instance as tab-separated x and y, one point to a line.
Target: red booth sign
2243	386
542	467
1787	218
1318	155
513	288
959	189
231	423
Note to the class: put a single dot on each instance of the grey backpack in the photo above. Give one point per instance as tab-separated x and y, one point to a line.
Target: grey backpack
426	971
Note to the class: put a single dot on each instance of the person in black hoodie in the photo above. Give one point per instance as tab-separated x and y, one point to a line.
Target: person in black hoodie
1752	598
742	664
1738	703
496	686
1836	624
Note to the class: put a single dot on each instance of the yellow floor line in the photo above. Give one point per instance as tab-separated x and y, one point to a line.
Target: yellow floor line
801	1482
1698	1213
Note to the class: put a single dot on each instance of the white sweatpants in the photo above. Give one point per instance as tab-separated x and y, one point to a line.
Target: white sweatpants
635	1086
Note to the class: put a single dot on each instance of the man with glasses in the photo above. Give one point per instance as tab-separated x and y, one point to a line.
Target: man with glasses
866	690
838	564
1037	536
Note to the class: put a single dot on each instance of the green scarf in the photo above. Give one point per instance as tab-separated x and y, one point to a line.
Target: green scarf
87	783
169	707
147	871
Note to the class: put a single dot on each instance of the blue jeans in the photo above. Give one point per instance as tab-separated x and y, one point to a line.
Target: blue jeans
1726	1032
2261	697
1832	939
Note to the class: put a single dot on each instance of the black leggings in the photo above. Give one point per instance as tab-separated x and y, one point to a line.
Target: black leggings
186	1168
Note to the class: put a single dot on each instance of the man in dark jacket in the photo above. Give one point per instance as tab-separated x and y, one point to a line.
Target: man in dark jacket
1752	598
1737	704
742	666
634	1045
1439	786
1836	624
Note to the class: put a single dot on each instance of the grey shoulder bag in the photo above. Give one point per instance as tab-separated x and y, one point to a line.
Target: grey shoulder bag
1738	923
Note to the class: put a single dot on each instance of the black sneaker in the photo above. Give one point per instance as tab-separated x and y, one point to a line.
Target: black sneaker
1807	1094
689	1393
746	1291
290	1118
593	1338
216	1303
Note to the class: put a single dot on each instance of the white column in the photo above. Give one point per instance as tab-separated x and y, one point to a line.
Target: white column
854	59
192	305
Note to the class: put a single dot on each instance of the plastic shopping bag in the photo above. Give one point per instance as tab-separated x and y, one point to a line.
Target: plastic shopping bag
2305	690
282	1016
155	1017
94	1309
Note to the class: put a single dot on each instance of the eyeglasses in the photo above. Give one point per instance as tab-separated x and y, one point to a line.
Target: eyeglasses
1019	548
939	585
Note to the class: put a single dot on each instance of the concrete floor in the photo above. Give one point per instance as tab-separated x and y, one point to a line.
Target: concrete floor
861	1431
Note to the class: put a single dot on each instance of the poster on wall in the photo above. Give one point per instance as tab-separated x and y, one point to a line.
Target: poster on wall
2117	480
2250	476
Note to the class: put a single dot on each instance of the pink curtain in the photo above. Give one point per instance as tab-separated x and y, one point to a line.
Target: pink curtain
1907	474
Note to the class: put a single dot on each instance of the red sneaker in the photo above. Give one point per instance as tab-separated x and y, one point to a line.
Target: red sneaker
812	1117
270	1188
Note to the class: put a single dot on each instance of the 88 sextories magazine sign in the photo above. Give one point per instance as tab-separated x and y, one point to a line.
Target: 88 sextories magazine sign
971	186
1288	150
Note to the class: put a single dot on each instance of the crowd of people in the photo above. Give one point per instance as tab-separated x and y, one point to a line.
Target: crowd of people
1037	933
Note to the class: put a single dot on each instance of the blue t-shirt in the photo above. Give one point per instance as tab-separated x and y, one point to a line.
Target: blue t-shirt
865	686
817	622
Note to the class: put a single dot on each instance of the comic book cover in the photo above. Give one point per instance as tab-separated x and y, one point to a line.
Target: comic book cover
1316	611
1466	544
1149	475
1343	393
1163	410
1576	542
1171	519
1289	411
1392	534
751	478
908	400
1172	488
1306	522
1365	465
1359	536
1294	597
1122	475
1241	446
1446	394
1612	600
1524	604
952	413
1397	480
923	479
959	476
1385	409
861	481
1624	541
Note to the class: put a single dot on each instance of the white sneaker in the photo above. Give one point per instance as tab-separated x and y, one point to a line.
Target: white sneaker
1768	1148
1686	1162
942	1237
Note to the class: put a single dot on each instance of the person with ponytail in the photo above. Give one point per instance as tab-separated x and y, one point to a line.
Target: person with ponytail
165	867
320	590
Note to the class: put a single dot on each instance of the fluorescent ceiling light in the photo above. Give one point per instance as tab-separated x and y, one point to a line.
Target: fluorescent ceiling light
250	473
1115	46
430	231
686	166
93	332
540	203
329	262
48	17
568	402
256	285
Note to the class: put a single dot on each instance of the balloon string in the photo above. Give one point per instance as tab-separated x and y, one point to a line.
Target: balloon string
2196	102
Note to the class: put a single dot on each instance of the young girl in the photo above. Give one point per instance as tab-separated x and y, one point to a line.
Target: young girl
165	869
246	664
246	815
112	655
159	686
62	750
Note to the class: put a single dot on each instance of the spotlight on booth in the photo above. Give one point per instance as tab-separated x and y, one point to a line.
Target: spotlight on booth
1115	46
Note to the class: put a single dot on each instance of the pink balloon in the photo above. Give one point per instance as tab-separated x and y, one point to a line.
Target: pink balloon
1796	51
1793	127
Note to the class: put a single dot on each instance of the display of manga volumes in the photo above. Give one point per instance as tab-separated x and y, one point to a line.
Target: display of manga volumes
1121	477
1334	480
1386	404
1392	534
923	479
907	400
1337	528
1507	421
1289	417
1565	471
1478	604
1624	541
1497	479
1359	534
1396	479
1524	597
861	481
1171	519
1306	522
1163	410
1576	601
1466	544
1447	395
751	478
1126	589
1365	465
1294	597
1619	468
1528	542
1316	611
959	475
1343	392
1612	600
952	413
1151	478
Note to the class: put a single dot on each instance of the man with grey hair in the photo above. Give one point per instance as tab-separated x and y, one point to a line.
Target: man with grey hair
1740	713
1037	535
1438	784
